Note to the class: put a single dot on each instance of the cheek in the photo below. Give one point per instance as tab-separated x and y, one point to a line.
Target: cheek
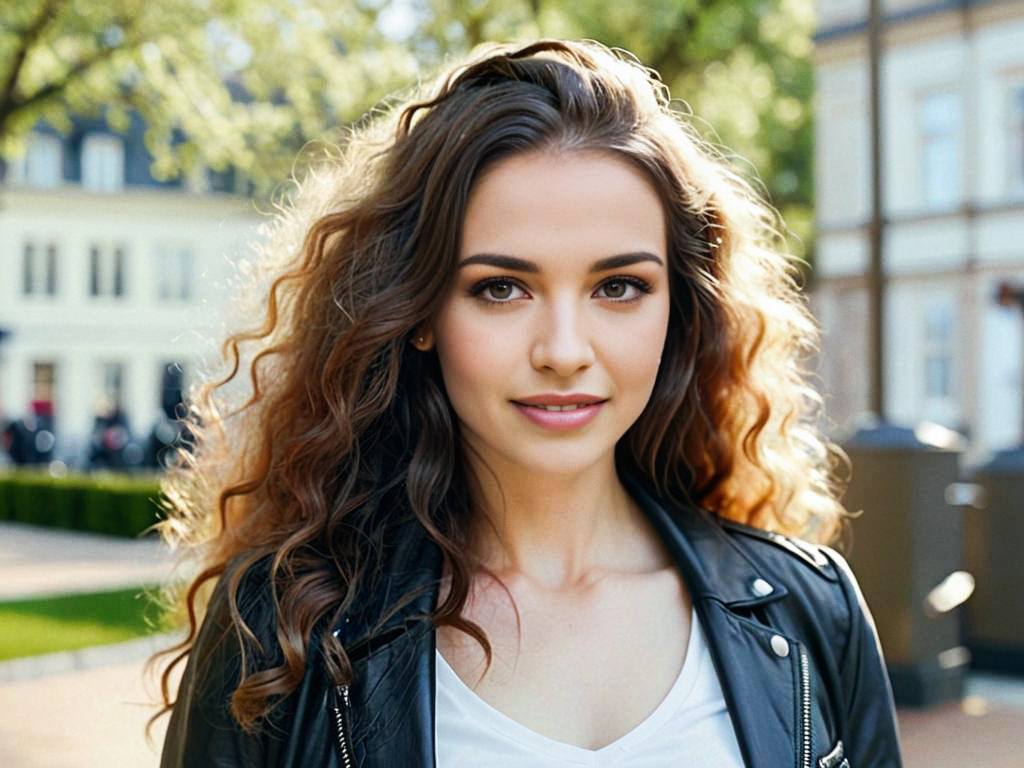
472	363
637	354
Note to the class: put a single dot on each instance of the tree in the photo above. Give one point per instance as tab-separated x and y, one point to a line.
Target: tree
244	83
228	83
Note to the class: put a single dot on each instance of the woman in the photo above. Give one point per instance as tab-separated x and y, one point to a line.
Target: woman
530	460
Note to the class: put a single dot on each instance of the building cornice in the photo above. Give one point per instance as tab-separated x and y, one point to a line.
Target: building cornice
962	214
169	201
856	280
848	39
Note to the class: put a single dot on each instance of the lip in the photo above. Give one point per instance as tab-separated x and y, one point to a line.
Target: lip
553	399
559	421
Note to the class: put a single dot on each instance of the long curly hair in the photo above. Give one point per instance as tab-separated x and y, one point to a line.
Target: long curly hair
344	426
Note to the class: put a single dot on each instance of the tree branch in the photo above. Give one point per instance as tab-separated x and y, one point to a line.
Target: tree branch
76	71
12	105
26	39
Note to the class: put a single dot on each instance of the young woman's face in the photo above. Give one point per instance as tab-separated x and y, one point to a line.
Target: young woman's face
561	289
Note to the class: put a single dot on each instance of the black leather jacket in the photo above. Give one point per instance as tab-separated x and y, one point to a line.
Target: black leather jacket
791	638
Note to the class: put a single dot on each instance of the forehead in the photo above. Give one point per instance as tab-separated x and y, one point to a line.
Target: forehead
546	205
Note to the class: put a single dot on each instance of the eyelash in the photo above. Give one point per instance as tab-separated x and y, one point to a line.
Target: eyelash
641	285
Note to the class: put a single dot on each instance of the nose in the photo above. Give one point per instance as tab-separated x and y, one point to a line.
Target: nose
562	343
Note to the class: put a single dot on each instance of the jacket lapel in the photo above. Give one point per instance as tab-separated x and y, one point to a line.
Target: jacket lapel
760	687
759	684
392	644
393	704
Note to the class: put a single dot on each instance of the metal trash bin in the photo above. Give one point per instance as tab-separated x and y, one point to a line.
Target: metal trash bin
995	535
908	553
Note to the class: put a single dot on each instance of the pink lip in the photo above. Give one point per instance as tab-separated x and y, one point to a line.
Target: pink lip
553	399
560	420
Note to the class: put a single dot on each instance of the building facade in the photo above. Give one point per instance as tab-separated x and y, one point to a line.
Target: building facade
113	285
952	107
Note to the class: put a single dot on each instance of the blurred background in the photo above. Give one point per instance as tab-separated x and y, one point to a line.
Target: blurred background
142	143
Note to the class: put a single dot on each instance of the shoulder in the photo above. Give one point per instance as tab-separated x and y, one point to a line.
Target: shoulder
241	591
787	552
815	577
203	729
818	575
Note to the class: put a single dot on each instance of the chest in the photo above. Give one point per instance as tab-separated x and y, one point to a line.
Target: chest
582	668
785	710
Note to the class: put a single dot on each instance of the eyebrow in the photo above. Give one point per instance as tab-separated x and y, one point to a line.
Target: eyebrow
515	264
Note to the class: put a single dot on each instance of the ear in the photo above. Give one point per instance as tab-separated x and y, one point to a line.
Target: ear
422	339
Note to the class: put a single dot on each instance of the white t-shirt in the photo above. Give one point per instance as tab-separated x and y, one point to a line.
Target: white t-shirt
691	726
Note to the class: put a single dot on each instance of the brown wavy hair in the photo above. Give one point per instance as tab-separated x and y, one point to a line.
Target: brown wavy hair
346	426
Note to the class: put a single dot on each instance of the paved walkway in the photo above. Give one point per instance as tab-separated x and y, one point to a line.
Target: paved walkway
81	719
88	708
45	561
970	733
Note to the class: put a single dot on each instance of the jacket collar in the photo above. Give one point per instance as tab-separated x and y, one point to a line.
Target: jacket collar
712	565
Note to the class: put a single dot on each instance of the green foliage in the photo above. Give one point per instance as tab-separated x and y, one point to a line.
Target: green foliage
117	505
308	67
305	66
45	625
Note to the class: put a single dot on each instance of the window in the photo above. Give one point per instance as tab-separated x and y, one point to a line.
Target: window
39	269
40	166
938	352
112	385
939	129
106	270
102	162
44	379
174	269
1016	139
44	385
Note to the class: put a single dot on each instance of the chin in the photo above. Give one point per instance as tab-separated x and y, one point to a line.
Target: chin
565	457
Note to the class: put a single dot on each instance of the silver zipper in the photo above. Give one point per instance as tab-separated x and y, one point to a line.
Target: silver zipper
805	709
341	707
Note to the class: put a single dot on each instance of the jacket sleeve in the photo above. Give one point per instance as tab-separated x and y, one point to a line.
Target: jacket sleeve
872	732
202	731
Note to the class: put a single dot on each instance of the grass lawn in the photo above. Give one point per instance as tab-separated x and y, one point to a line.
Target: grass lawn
43	625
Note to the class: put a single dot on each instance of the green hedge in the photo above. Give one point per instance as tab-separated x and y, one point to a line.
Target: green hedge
115	504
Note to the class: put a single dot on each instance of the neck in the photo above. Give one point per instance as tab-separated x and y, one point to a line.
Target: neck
561	530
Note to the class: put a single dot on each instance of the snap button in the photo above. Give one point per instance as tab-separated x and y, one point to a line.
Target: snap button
779	645
760	587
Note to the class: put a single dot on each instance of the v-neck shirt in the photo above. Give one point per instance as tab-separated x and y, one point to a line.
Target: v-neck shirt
690	726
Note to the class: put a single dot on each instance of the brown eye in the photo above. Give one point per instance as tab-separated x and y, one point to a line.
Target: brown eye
624	290
615	289
500	291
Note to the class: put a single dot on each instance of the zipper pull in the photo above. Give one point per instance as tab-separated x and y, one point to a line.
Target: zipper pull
341	706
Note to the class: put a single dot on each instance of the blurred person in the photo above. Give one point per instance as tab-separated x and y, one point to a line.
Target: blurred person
18	441
31	439
6	440
530	475
44	438
111	436
168	433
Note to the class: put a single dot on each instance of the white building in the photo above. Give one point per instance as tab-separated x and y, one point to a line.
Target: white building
953	152
106	279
